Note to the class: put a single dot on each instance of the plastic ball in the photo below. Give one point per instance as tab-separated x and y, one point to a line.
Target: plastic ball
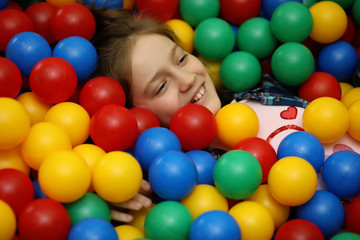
213	69
240	71
351	96
214	39
35	108
194	12
304	145
327	118
292	63
269	6
340	59
292	181
53	80
346	236
145	119
117	176
168	220
7	222
204	163
73	19
215	225
184	32
39	193
152	142
95	228
88	206
41	13
16	189
237	174
14	123
194	125
320	84
44	219
340	174
236	122
10	78
12	22
329	21
237	12
139	217
60	3
255	36
128	232
113	127
4	4
72	118
26	49
354	113
254	220
58	173
162	9
172	175
291	22
356	12
111	4
279	212
325	210
345	88
204	198
12	158
352	218
298	229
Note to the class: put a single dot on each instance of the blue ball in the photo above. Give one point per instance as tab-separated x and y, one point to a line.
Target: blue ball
215	225
108	4
152	142
204	163
38	191
26	49
80	53
325	210
4	4
269	6
341	173
92	229
172	175
339	59
304	145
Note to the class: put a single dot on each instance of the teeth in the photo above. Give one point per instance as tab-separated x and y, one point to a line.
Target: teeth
199	95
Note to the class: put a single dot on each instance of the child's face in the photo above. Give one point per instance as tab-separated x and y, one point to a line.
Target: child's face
165	78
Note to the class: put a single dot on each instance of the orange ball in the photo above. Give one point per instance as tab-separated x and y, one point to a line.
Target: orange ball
354	113
184	32
59	3
7	221
12	158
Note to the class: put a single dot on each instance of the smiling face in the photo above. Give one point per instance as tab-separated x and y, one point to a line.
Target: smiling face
164	78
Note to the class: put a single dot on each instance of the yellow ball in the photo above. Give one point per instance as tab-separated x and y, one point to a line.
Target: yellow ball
43	139
235	122
139	217
327	118
7	221
128	232
14	123
351	96
254	220
33	106
72	118
329	22
354	113
64	176
184	32
204	198
345	88
117	176
292	181
213	69
278	211
59	3
11	158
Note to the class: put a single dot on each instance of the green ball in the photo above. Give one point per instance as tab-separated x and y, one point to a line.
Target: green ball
292	63
237	174
240	71
195	11
309	3
346	236
168	220
291	22
255	36
90	205
356	12
214	39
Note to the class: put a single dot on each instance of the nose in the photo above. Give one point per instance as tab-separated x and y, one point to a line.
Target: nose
185	79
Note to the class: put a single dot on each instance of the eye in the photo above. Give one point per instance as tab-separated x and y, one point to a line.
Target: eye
183	58
160	88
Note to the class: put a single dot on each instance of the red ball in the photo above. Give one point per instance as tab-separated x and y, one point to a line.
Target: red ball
41	13
352	216
10	78
44	219
113	128
53	80
349	34
262	151
320	84
145	119
16	189
101	91
238	11
12	22
161	9
299	229
73	19
195	126
14	5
